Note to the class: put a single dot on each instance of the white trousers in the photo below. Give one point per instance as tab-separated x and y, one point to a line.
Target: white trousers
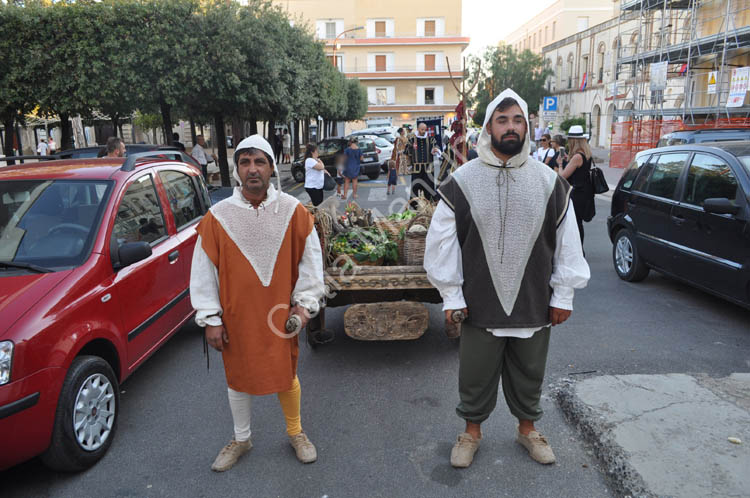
239	404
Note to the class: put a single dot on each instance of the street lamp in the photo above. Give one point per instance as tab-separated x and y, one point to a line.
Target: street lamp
335	42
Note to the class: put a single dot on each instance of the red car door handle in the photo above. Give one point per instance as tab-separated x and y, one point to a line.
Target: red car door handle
173	256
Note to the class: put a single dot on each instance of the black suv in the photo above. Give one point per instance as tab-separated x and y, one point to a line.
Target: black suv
685	212
331	151
701	136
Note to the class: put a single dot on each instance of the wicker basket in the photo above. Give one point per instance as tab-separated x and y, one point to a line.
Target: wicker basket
414	243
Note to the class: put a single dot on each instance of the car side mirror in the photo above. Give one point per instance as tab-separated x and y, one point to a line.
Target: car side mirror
132	252
720	205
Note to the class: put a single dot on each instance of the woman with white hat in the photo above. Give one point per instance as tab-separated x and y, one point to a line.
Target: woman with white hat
578	174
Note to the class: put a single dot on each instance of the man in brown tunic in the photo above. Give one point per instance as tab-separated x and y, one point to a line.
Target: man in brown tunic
257	262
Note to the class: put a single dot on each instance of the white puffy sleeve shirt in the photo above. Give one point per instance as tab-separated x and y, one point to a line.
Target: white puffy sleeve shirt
443	262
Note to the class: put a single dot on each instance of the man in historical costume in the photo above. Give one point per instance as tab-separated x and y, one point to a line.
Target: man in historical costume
503	247
257	262
453	157
421	148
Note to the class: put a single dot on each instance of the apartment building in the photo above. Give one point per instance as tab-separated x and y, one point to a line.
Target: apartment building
396	49
560	20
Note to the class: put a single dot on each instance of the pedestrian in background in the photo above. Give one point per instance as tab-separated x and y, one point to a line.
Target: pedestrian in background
41	148
544	150
176	141
51	145
352	167
315	173
392	177
578	174
555	161
115	147
199	154
277	146
287	145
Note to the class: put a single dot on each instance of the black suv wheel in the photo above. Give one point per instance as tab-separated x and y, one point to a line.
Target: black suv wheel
627	261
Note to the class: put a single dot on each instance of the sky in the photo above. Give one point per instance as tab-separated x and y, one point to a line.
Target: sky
486	22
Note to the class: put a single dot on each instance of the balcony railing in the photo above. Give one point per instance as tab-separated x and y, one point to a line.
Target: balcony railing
440	70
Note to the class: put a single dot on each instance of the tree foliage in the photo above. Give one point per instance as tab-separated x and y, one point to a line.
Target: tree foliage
503	67
211	60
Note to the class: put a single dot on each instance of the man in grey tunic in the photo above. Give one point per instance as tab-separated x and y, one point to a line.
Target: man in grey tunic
503	247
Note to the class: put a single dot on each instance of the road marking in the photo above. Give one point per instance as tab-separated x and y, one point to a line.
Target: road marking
377	195
295	187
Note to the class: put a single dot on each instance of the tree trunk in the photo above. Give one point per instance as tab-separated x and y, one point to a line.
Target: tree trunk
166	120
192	131
116	124
66	129
238	130
270	130
221	137
8	149
253	125
295	123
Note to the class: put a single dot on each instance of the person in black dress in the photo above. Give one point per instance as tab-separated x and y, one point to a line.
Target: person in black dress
578	174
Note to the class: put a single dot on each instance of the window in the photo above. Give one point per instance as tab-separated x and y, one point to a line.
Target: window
380	29
585	64
183	199
139	215
381	96
665	175
533	44
632	171
429	28
582	24
380	63
429	96
429	62
554	26
709	178
339	61
331	30
546	32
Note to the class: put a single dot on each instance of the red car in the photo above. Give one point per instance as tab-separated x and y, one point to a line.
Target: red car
94	277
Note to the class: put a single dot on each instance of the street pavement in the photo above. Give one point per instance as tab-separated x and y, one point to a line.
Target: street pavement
382	414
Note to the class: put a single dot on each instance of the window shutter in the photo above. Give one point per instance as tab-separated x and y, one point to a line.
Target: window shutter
439	95
371	95
391	94
420	95
440	27
420	27
370	28
380	64
389	28
380	29
429	27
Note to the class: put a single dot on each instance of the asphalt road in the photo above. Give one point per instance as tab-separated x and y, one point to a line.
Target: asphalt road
382	414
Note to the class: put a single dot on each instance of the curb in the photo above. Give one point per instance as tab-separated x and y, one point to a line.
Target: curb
623	478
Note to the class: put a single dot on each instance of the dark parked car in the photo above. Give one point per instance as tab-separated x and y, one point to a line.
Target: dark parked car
701	136
331	151
170	152
685	212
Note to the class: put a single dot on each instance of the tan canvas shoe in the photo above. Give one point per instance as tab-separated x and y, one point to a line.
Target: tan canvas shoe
463	451
229	455
538	447
305	450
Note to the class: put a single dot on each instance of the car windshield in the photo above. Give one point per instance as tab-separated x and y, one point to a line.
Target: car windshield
382	142
49	223
388	136
667	141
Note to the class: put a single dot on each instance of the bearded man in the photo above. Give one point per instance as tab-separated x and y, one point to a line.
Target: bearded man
420	149
257	256
503	247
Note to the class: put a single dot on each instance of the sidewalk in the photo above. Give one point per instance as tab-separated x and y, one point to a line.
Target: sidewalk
665	435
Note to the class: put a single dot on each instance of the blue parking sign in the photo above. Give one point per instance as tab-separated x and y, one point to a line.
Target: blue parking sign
550	103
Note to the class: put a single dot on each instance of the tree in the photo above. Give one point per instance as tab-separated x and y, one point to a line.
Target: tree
356	100
503	67
16	81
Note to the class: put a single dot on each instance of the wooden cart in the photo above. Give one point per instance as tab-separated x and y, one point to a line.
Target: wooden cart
386	302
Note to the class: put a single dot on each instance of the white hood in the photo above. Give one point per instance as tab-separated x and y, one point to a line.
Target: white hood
257	142
484	144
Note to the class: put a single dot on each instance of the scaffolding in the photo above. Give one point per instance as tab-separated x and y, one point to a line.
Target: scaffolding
697	42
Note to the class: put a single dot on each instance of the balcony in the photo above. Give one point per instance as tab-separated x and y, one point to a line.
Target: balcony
363	72
400	39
